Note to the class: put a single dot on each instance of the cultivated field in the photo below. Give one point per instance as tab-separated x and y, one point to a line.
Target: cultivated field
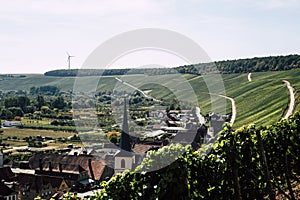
262	101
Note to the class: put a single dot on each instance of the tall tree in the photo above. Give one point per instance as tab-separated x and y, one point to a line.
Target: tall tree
40	102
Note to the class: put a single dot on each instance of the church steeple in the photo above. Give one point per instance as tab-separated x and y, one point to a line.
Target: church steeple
125	138
125	157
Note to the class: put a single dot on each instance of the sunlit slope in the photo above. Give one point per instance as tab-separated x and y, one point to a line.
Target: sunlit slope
63	83
261	101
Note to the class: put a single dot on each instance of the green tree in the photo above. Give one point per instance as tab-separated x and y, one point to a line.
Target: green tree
59	103
45	110
16	111
23	102
6	114
40	102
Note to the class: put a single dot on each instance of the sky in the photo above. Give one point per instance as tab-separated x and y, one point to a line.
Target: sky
36	34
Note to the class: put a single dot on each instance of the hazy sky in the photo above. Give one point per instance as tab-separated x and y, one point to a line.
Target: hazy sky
35	34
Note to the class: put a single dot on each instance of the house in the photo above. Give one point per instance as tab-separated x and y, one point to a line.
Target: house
194	137
7	193
216	122
32	185
75	176
96	168
110	148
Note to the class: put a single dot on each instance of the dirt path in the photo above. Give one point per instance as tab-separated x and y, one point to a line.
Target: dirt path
292	100
249	77
200	117
135	88
233	107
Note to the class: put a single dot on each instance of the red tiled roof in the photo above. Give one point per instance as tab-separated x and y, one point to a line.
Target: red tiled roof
70	163
143	148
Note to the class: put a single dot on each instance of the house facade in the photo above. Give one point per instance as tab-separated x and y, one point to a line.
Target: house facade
33	185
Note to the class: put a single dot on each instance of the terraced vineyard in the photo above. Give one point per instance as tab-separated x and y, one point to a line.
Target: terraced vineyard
262	101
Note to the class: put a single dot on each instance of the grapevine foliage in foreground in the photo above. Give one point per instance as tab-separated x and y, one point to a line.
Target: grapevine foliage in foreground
249	163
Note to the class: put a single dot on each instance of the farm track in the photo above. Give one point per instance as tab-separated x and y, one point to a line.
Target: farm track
291	106
233	107
249	77
135	88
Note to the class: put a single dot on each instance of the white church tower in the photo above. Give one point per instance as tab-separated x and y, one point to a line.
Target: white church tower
125	157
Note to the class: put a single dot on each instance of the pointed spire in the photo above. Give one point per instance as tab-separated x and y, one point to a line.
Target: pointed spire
125	138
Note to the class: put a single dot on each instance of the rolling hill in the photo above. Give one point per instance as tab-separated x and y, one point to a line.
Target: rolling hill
262	101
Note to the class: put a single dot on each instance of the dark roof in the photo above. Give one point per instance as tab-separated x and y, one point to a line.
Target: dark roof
184	137
66	175
5	190
69	163
192	136
110	146
122	153
125	137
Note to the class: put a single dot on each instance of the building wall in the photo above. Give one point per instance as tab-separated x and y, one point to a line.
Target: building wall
128	164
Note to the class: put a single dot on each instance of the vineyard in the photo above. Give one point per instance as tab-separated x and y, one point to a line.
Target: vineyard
248	163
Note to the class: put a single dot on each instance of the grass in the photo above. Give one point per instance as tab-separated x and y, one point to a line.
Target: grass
36	122
262	101
22	133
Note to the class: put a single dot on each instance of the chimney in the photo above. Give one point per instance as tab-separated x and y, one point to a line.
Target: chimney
50	166
91	169
41	164
60	167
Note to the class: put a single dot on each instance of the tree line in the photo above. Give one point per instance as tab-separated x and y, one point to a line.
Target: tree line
20	106
109	72
257	64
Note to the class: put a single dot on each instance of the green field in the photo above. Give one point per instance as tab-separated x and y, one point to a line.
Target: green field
22	133
262	101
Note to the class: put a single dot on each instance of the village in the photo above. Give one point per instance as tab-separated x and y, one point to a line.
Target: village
81	169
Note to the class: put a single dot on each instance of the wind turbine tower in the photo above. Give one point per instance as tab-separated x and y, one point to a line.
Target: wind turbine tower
69	60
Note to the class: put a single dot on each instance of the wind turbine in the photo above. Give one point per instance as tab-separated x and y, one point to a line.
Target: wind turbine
69	60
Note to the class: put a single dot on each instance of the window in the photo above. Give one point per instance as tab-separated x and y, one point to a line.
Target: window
122	163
